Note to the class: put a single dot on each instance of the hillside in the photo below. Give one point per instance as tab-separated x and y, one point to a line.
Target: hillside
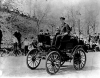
27	27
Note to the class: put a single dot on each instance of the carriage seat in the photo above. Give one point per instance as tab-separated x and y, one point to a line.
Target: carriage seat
45	39
41	38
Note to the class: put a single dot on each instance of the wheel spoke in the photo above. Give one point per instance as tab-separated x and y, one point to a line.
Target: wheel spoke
48	62
78	52
57	62
54	69
57	65
30	63
52	57
83	57
29	56
77	66
36	62
82	63
37	58
81	53
29	59
57	58
83	60
49	59
49	66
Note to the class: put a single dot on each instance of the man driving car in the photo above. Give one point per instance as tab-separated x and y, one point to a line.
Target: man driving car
64	32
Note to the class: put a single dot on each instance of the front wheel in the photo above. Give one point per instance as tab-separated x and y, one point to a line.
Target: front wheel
53	62
33	59
79	59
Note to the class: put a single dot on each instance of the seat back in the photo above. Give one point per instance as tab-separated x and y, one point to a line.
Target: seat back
68	43
44	39
41	38
47	40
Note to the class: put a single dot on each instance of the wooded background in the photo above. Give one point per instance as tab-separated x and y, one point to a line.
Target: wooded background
29	16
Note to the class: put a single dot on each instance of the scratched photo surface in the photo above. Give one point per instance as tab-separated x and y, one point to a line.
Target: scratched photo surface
50	38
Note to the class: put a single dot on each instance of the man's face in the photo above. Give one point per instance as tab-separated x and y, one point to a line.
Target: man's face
62	21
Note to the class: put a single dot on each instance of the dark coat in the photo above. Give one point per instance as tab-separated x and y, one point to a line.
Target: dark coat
1	35
65	28
17	35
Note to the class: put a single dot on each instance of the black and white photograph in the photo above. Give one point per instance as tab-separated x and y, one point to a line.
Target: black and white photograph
50	38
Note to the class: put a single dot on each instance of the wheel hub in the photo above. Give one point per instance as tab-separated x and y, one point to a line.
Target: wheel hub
52	63
33	58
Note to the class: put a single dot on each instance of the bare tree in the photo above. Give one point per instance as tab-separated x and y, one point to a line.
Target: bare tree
91	15
73	18
52	22
40	15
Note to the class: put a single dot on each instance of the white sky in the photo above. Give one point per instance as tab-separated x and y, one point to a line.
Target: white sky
63	1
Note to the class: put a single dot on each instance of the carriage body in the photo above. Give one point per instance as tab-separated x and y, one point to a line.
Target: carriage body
67	51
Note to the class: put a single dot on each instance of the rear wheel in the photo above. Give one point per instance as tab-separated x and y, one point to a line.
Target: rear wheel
53	62
33	59
79	59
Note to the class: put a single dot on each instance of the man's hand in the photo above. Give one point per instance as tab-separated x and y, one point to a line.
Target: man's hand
65	33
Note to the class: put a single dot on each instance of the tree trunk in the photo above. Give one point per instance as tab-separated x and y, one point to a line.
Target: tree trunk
88	30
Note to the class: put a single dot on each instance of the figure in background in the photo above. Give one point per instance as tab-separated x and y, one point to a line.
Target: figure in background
18	35
47	37
57	33
15	44
47	32
26	43
41	32
97	38
0	37
89	38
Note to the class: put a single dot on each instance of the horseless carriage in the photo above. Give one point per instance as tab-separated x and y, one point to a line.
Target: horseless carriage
70	49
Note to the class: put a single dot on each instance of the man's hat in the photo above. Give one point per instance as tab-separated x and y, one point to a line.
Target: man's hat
62	18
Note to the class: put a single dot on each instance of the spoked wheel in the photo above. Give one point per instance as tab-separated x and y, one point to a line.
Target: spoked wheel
33	59
53	62
79	59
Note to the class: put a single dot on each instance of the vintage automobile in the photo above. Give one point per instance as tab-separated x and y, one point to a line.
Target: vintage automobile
72	49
